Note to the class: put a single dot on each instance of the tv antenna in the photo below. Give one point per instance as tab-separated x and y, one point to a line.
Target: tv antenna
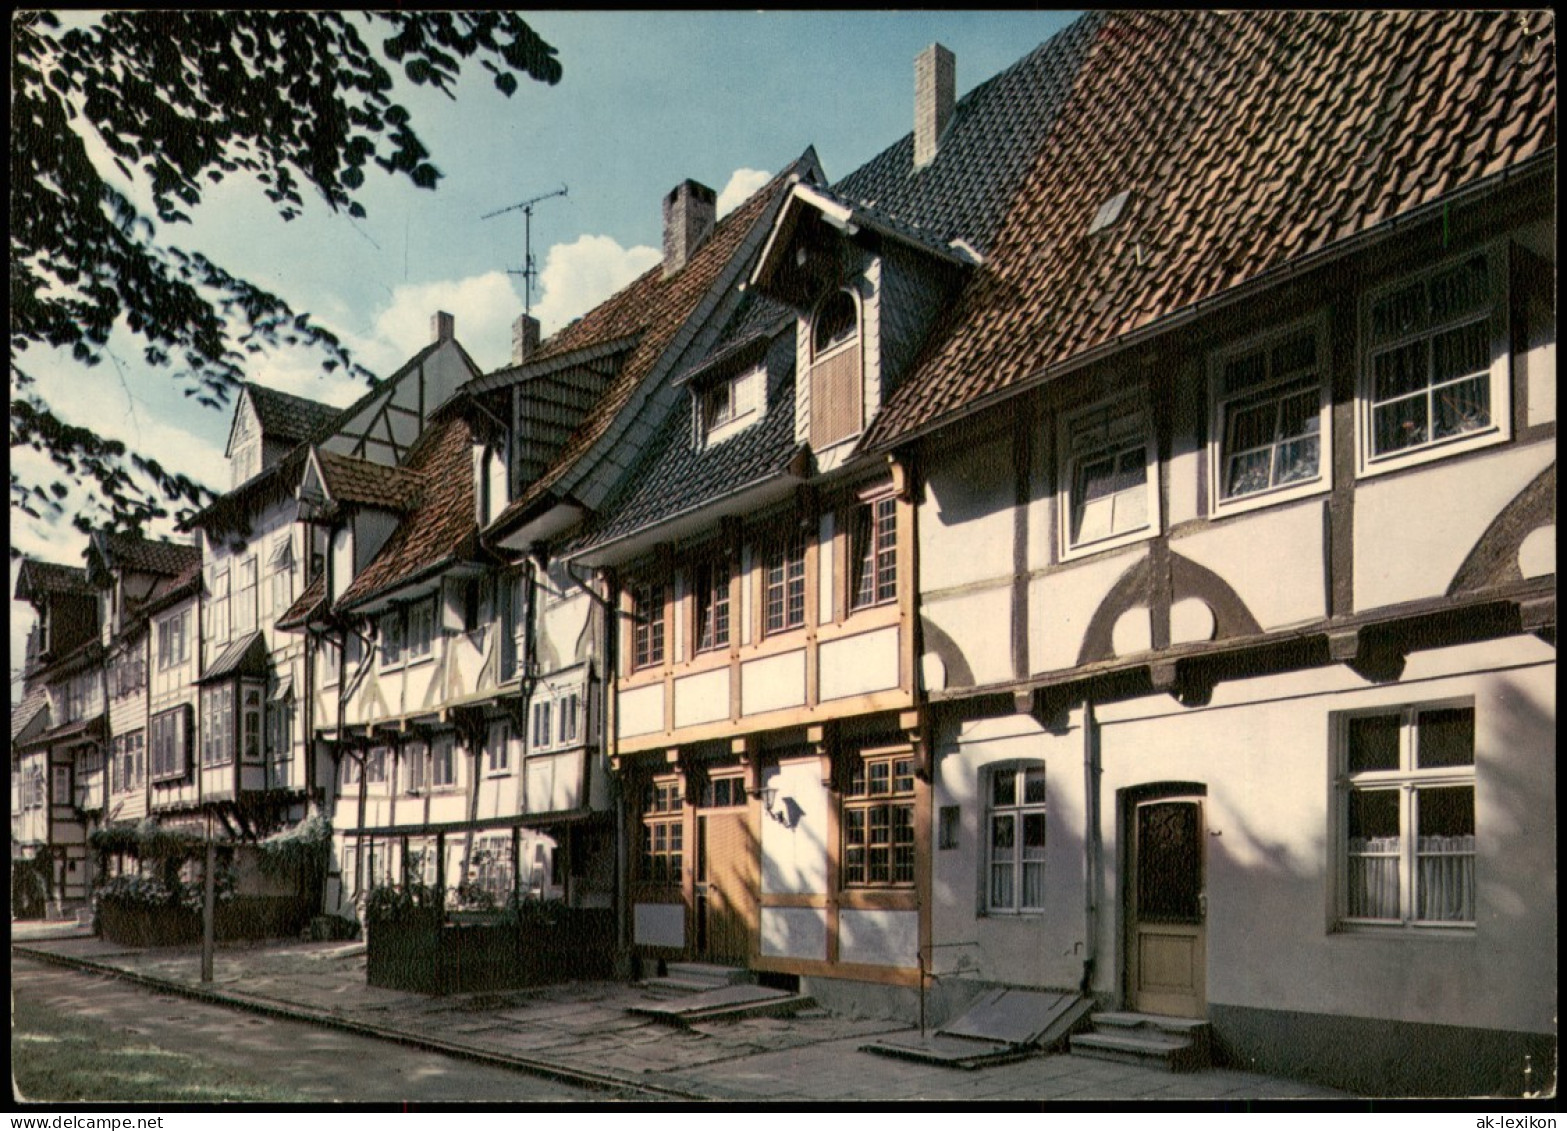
530	270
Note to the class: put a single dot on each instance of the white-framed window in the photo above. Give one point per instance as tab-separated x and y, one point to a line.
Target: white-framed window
570	711
732	404
1109	492
280	737
415	754
391	627
220	606
174	640
873	553
1015	839
250	716
282	562
1434	377
497	748
1405	808
170	744
421	629
128	768
375	765
217	725
331	661
443	762
350	769
543	734
246	596
1270	420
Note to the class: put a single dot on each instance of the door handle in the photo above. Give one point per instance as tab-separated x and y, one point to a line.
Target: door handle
1202	905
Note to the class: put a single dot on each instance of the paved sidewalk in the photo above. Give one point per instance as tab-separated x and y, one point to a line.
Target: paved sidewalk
581	1032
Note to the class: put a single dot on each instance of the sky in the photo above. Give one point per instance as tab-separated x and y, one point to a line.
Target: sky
646	100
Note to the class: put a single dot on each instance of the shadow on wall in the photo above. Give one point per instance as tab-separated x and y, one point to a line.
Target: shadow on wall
1273	949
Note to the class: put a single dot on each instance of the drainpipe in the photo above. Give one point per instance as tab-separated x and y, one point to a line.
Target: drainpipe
1091	845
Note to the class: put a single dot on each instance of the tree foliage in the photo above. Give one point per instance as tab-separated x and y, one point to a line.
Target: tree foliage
181	100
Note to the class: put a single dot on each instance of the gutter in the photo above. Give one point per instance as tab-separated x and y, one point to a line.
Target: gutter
1539	164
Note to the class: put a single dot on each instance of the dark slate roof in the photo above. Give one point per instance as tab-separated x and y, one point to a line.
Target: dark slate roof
36	578
170	591
655	308
305	608
361	482
678	474
442	528
94	726
984	154
244	656
1247	141
284	416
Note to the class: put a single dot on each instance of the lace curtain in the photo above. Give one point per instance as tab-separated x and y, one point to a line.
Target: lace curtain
1444	877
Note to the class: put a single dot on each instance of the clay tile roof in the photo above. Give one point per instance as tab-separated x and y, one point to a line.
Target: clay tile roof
444	525
34	702
310	602
1245	140
654	308
284	416
362	482
143	555
47	577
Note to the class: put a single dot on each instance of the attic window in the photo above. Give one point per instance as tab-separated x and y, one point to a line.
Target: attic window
837	401
733	404
836	324
1109	212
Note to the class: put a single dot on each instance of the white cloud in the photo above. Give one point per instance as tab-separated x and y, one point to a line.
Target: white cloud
484	307
743	183
578	276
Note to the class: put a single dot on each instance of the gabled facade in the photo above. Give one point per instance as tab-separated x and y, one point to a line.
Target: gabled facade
1235	543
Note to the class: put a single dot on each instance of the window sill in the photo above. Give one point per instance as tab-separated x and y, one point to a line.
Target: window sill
503	772
420	661
1371	466
1450	932
1113	542
1274	496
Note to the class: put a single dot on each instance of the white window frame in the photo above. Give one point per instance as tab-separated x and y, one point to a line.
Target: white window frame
1407	779
414	769
1499	429
247	597
419	631
570	705
168	745
443	752
1272	388
390	658
221	612
732	405
497	749
1133	405
543	728
1017	812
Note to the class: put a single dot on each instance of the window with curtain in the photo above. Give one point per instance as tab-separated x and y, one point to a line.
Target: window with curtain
1016	826
1407	797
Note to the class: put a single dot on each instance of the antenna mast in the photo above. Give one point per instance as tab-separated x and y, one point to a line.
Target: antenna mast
530	270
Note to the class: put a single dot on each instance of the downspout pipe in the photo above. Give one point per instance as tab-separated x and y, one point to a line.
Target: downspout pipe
1091	846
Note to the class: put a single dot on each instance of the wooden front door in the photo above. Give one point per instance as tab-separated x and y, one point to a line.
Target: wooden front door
1166	907
724	887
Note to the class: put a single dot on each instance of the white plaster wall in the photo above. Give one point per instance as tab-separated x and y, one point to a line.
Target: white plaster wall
1273	558
640	711
1061	604
980	624
966	518
854	665
879	938
1413	531
1042	949
554	782
658	924
794	932
1263	750
1540	363
772	683
702	698
794	859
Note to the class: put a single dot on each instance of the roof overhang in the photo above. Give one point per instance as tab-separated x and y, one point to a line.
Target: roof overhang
246	656
548	519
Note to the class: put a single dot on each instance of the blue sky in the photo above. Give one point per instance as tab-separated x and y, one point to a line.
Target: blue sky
647	99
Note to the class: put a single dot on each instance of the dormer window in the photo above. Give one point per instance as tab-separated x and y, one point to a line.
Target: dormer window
733	404
837	389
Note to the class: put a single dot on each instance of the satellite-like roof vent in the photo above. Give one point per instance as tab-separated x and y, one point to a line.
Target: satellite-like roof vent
1109	212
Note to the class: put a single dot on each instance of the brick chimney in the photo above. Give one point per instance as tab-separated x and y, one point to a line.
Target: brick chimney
443	327
524	338
935	88
690	211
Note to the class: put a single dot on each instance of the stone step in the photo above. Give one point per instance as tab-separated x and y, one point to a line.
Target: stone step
1145	1047
708	972
1121	1019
